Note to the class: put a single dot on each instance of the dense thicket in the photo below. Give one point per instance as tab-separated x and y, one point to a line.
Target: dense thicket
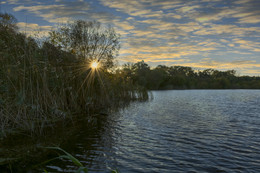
40	85
179	77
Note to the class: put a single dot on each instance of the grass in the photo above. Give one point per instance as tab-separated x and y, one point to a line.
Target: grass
68	156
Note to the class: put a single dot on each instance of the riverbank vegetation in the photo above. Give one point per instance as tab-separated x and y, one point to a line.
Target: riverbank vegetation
43	82
180	77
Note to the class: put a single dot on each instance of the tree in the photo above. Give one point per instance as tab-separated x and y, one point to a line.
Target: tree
88	40
141	72
8	21
158	77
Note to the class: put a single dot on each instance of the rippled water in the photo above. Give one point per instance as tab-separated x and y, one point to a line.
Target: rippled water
178	131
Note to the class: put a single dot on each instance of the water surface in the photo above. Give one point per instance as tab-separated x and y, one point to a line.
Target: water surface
177	131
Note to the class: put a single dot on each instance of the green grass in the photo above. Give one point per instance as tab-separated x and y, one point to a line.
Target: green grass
68	156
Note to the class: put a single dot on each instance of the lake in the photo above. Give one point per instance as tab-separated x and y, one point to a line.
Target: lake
177	131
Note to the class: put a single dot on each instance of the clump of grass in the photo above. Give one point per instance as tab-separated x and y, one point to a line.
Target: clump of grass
68	156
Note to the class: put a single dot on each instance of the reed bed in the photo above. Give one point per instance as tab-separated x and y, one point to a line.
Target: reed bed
41	84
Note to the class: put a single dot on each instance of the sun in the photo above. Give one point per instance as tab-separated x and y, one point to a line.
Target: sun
94	65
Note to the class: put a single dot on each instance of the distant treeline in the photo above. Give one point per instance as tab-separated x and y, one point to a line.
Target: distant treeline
179	77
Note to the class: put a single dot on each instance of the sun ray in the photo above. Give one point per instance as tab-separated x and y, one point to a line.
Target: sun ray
92	71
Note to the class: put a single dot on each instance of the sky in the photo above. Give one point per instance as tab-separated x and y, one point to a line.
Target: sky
218	34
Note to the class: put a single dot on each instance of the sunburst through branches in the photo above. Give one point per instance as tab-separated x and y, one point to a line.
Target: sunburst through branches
94	65
92	70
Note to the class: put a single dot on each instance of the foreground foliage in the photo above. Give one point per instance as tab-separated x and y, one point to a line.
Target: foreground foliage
68	156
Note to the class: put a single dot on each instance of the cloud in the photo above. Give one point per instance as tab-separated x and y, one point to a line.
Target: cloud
247	44
32	29
59	10
22	2
63	11
227	30
157	9
250	19
208	63
208	11
125	6
248	11
145	8
188	9
124	25
179	31
254	72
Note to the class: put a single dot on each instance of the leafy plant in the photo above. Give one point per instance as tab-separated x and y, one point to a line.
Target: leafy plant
67	156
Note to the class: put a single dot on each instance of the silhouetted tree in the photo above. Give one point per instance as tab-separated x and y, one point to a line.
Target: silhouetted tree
88	40
159	77
8	21
141	72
